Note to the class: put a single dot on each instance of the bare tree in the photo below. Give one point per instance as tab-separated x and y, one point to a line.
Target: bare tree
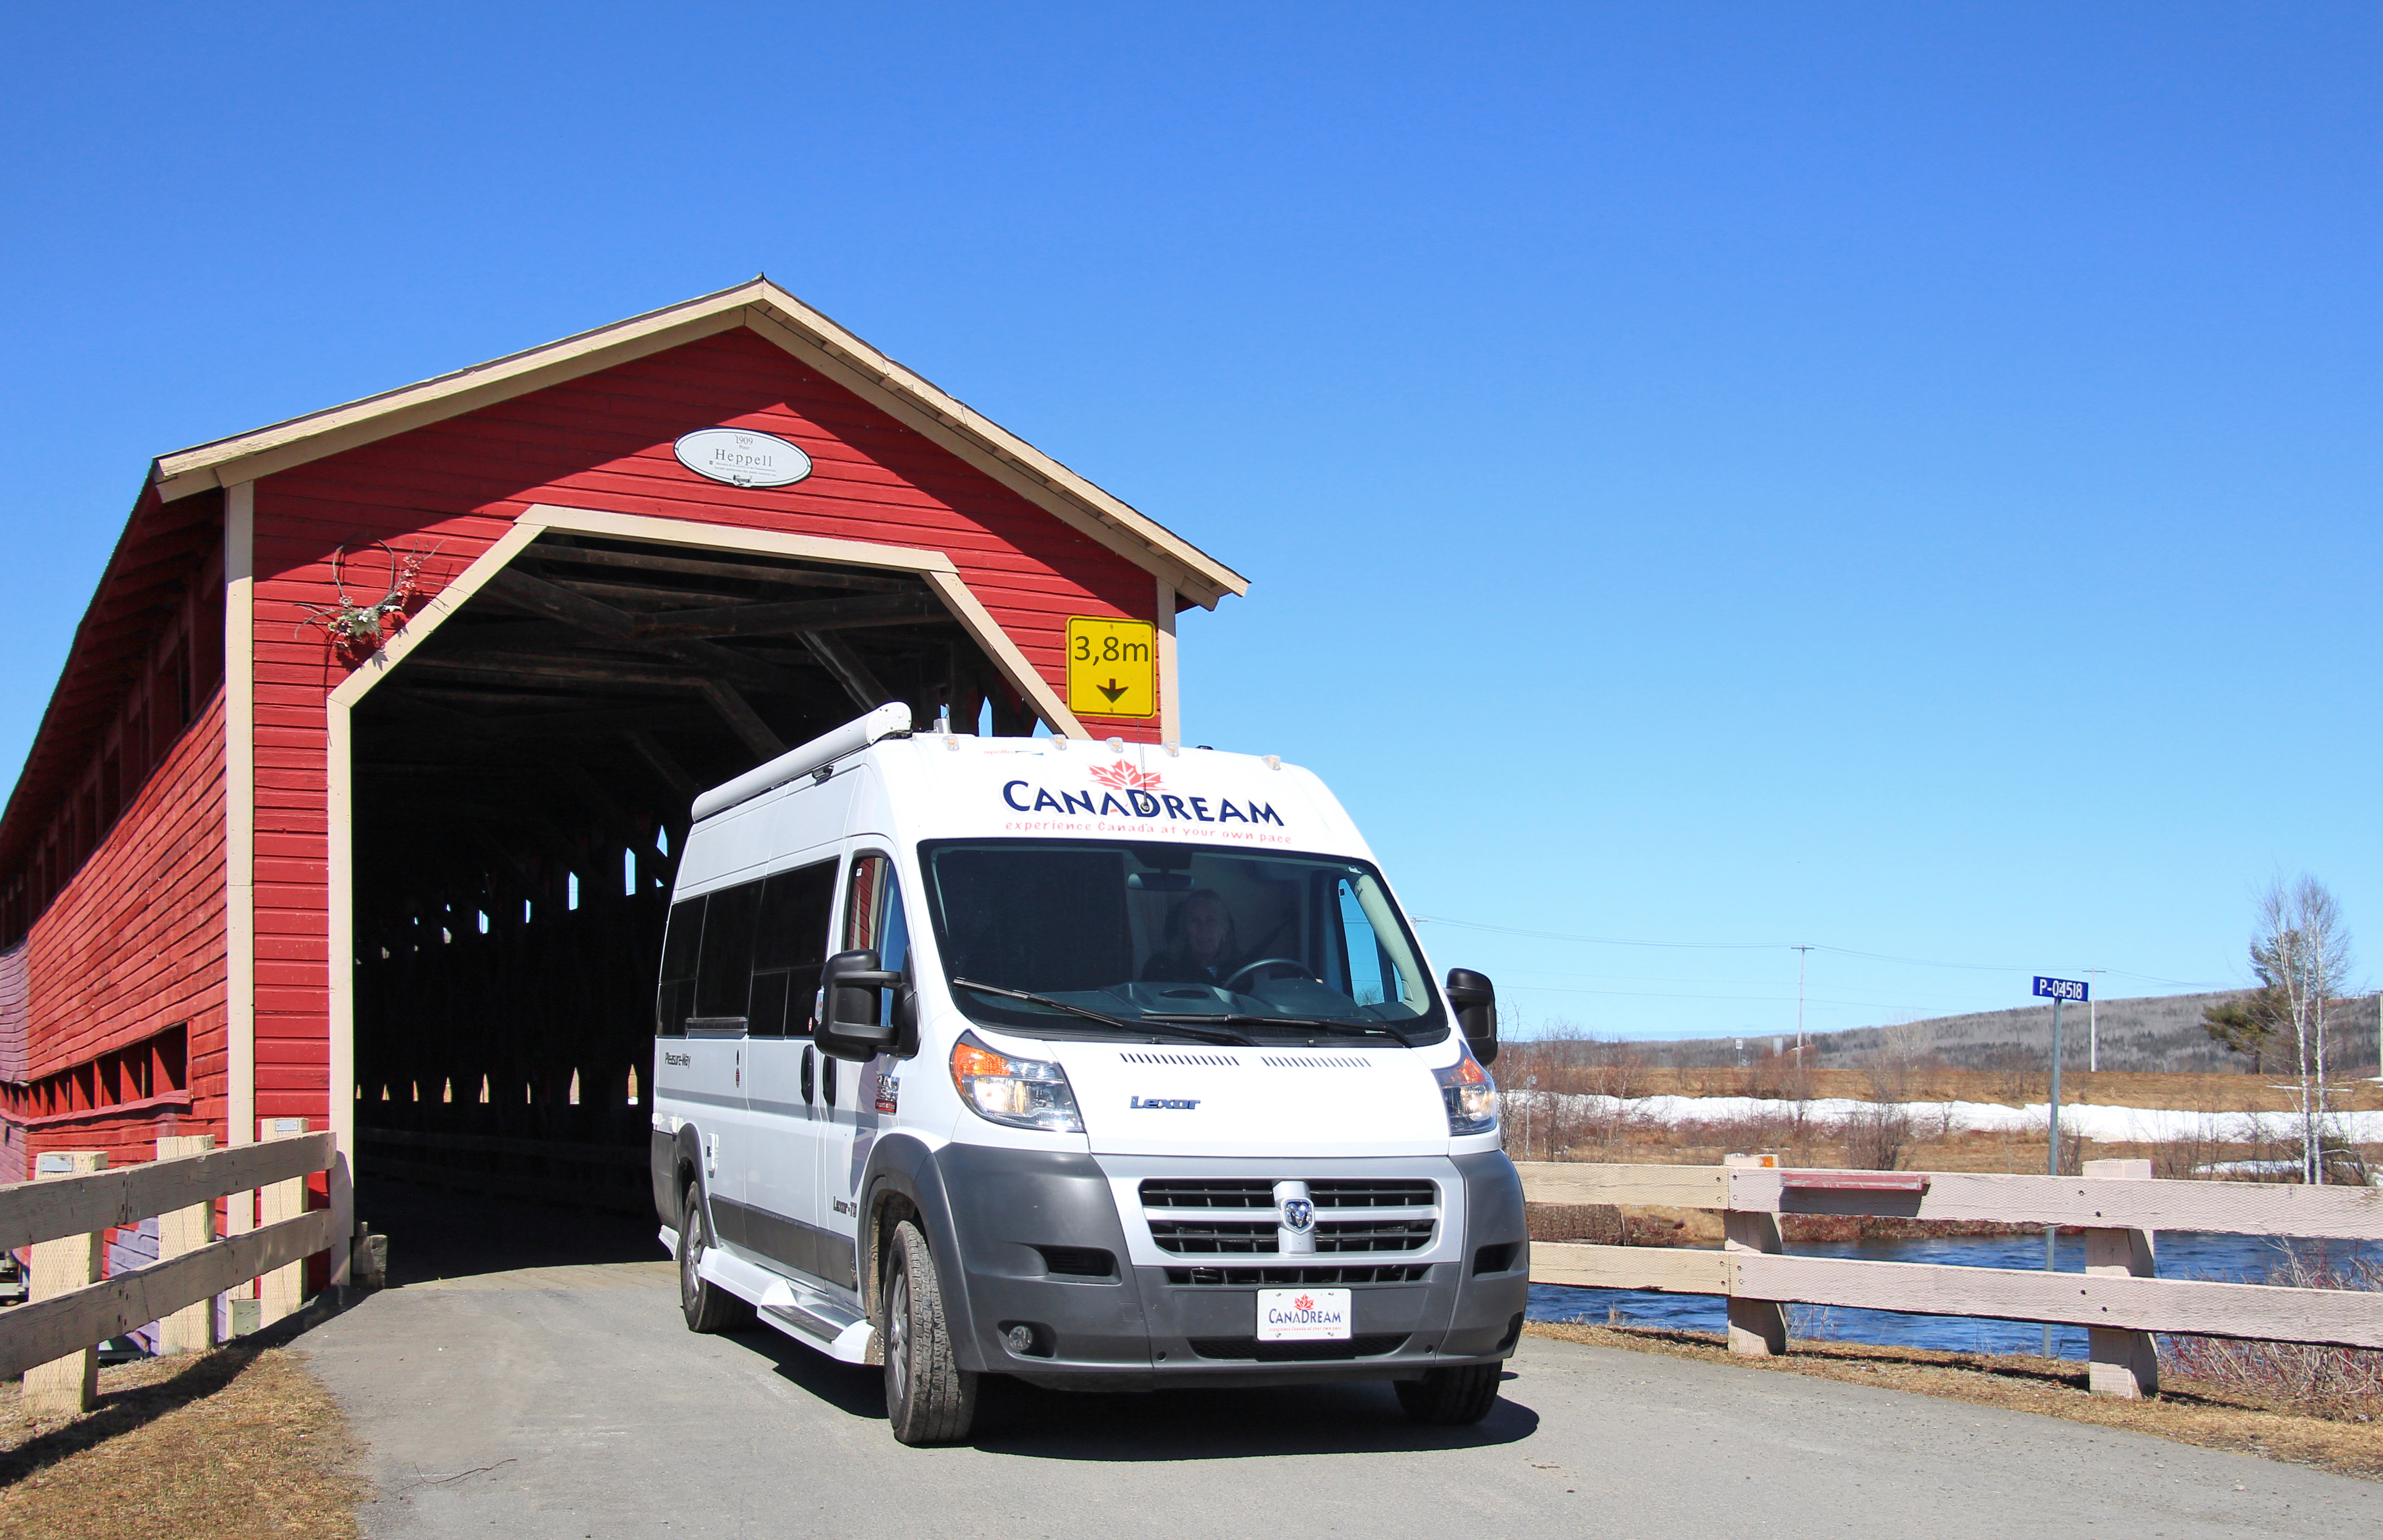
1877	1129
2301	952
1616	1073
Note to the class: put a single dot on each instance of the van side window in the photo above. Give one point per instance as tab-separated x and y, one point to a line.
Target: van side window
675	997
723	973
788	950
873	917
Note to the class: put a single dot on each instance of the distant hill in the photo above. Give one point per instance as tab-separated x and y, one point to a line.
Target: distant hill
2158	1033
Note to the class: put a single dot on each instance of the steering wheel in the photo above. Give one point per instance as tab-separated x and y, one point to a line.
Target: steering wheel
1247	968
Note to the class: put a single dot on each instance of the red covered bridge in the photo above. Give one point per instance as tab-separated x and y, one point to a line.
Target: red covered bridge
359	794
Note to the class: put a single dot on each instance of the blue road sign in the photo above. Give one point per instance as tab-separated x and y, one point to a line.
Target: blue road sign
2061	989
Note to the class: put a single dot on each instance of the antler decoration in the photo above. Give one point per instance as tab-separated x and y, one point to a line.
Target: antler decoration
358	628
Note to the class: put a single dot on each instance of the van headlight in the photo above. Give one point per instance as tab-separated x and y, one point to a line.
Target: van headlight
1024	1093
1471	1095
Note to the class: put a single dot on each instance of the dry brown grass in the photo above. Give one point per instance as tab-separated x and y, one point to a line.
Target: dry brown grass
2186	1410
239	1442
2001	1151
1921	1082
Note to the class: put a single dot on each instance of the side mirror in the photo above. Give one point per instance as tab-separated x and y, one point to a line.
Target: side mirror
854	986
1475	999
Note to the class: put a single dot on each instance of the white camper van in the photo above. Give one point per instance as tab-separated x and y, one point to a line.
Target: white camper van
1108	1066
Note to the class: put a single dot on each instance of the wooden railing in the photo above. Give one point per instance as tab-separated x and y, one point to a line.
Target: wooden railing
64	1212
2118	1297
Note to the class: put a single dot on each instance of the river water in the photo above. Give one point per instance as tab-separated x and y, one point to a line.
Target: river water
2182	1254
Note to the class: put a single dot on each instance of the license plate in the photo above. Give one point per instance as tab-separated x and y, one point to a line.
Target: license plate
1303	1314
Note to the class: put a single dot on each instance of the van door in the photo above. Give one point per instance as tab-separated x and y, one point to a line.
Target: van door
699	1009
858	1099
781	1077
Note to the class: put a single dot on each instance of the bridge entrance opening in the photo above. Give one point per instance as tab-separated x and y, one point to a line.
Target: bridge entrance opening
519	789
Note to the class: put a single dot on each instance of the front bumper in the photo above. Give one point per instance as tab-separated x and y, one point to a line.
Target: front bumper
1019	1218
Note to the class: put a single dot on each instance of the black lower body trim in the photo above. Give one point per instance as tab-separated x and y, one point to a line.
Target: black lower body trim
1249	1348
788	1242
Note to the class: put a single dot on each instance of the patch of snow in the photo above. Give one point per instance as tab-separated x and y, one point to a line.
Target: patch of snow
2104	1125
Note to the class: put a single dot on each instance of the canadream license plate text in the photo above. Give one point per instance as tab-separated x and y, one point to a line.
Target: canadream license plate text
1303	1314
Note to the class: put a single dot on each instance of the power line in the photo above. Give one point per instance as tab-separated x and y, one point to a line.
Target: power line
1798	946
1756	999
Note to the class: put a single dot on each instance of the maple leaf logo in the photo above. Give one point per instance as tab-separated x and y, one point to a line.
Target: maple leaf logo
1124	777
1304	1302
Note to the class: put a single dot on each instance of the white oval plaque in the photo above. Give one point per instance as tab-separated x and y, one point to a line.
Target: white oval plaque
742	458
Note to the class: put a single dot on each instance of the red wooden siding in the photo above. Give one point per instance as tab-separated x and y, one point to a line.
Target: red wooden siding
133	945
148	654
600	442
16	1015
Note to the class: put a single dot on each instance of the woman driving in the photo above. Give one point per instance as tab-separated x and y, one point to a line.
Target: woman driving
1200	944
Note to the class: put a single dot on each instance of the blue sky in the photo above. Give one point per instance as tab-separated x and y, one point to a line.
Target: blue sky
1901	479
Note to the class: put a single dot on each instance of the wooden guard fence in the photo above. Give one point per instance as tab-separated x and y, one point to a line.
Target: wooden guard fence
2118	1297
65	1212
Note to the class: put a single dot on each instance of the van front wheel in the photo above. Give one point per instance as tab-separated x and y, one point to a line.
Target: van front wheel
928	1397
1452	1398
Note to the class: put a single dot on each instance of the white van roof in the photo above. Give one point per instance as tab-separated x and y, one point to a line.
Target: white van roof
940	785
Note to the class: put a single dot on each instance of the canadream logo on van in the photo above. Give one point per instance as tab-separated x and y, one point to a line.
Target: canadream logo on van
1127	793
1304	1311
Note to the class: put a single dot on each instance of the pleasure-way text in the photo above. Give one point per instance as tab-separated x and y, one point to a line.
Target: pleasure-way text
1105	1066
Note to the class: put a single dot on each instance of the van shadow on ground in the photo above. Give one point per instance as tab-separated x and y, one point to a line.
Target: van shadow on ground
1014	1418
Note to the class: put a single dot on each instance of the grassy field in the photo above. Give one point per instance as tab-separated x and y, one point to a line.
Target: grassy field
1775	1081
1556	1120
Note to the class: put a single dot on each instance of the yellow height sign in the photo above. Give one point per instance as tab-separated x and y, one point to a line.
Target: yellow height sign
1112	667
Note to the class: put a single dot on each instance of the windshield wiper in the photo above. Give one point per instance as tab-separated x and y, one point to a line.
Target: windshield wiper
1233	1039
1241	1018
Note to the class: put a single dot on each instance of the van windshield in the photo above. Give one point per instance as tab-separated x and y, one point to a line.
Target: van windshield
1162	938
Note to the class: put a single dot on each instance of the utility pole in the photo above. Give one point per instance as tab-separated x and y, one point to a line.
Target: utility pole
1802	954
2092	1021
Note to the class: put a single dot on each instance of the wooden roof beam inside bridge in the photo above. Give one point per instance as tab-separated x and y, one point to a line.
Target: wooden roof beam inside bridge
742	718
550	552
540	597
795	618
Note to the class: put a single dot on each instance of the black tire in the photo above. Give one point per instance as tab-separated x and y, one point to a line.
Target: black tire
708	1307
1452	1398
928	1397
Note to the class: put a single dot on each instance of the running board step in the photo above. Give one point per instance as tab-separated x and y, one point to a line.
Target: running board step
805	1315
854	1342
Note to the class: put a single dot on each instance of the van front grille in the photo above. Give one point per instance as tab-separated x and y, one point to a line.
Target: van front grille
1373	1195
1249	1348
1373	1235
1162	1194
1295	1277
1235	1216
1185	1238
1207	1195
1221	1236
